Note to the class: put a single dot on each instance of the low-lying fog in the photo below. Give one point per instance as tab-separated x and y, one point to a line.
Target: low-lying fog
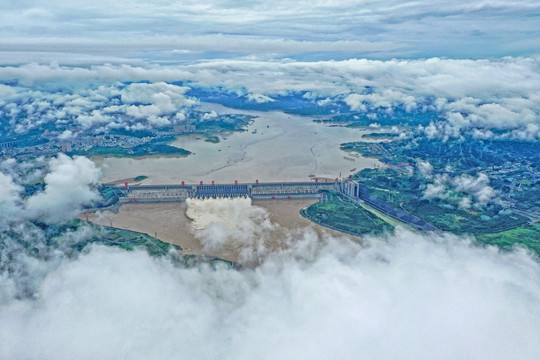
404	296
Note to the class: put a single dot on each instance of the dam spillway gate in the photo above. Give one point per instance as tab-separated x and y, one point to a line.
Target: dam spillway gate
256	191
352	189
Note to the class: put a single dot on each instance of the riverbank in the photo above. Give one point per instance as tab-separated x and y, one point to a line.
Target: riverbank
275	147
168	222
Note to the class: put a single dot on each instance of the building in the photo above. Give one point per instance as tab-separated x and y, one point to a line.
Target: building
180	129
66	147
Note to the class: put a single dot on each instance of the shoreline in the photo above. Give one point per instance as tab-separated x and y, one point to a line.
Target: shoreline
279	147
169	223
137	157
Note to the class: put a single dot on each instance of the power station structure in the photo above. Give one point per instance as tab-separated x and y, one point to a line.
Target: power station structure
354	190
256	191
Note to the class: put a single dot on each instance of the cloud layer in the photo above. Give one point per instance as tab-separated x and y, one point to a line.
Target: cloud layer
228	226
404	295
101	108
480	98
175	31
70	183
464	190
408	297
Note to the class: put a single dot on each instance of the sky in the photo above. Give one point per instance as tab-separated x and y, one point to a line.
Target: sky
171	31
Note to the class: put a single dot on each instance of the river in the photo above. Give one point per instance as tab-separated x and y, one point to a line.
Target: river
276	147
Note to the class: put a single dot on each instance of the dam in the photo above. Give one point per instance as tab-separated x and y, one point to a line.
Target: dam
256	191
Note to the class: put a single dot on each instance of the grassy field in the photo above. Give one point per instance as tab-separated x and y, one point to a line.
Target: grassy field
527	235
340	214
383	216
463	221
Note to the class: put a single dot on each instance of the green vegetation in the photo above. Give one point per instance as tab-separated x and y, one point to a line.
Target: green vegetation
212	139
397	117
31	189
380	135
57	235
131	240
407	192
226	122
511	165
365	149
60	236
529	194
338	213
136	151
489	224
124	239
155	147
134	133
460	221
140	178
527	235
472	153
193	260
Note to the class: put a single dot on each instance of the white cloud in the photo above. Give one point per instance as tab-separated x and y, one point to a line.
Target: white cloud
421	298
447	187
388	99
233	226
432	296
438	188
355	102
9	199
68	186
195	43
465	203
66	135
259	98
425	168
165	97
94	118
495	95
210	115
324	102
475	186
98	107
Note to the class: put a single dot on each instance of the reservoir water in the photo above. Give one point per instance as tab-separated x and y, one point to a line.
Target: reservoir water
276	147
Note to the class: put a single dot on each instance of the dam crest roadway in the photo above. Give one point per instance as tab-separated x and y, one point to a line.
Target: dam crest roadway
256	191
351	189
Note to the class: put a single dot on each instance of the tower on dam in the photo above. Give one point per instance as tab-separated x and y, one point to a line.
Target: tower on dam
354	190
